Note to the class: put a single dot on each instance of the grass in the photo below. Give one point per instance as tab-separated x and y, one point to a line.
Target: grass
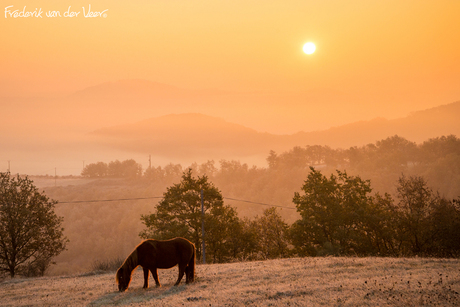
285	282
107	265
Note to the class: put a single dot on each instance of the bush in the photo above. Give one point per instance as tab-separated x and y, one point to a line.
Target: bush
107	265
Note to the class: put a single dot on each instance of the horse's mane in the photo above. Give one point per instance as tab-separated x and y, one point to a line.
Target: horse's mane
130	263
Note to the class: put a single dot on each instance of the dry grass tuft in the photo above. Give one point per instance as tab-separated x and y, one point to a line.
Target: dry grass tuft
108	265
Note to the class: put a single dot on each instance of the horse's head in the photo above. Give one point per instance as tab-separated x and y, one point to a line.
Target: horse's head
123	279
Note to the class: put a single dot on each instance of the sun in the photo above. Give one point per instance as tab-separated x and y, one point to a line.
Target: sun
309	48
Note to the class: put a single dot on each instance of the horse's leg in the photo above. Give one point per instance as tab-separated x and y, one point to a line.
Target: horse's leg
146	278
181	273
187	274
155	276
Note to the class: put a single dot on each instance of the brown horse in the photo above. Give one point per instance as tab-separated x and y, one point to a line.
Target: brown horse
156	254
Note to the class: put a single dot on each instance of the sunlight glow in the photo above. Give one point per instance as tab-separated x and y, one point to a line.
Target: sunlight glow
309	48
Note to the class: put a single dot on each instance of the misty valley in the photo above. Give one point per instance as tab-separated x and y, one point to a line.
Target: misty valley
99	229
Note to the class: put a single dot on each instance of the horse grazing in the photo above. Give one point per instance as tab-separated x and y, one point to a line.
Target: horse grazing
157	254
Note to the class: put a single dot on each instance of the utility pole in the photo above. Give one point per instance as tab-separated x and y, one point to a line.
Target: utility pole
9	169
202	227
150	161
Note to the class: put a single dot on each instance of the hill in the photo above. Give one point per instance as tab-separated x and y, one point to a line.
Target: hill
283	282
129	101
195	135
417	127
185	135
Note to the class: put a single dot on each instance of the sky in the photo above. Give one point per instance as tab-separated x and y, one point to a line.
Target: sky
389	48
372	59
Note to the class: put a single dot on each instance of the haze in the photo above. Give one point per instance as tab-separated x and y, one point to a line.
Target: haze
63	78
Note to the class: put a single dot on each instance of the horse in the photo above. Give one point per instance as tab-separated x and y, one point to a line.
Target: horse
158	254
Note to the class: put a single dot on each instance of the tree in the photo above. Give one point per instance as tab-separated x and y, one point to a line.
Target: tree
439	147
394	153
272	160
339	216
428	224
179	215
380	226
446	226
223	229
272	234
320	210
126	169
93	170
30	231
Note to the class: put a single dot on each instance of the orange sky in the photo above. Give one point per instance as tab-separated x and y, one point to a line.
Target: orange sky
371	48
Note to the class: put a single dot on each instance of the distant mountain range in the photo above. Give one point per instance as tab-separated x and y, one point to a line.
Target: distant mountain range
177	125
127	101
130	101
195	135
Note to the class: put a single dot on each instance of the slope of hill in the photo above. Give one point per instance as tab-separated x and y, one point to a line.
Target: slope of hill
196	134
191	134
417	127
282	282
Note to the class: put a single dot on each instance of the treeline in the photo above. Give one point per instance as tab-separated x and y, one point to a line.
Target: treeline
395	153
339	216
437	160
116	169
365	190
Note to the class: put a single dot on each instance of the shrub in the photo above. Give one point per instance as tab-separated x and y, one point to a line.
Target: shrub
107	265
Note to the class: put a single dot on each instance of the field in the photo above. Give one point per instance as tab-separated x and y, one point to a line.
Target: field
284	282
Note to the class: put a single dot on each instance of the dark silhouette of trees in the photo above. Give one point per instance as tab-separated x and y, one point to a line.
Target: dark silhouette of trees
428	224
439	147
94	170
340	217
445	219
30	232
126	169
416	202
164	175
272	233
437	160
179	214
336	215
221	235
116	169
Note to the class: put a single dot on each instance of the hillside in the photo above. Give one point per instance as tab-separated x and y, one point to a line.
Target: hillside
197	135
129	101
284	282
417	127
182	135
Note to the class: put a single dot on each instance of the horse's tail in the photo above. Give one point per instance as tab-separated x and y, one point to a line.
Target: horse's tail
191	264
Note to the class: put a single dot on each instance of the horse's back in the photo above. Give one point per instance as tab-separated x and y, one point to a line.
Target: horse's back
165	254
